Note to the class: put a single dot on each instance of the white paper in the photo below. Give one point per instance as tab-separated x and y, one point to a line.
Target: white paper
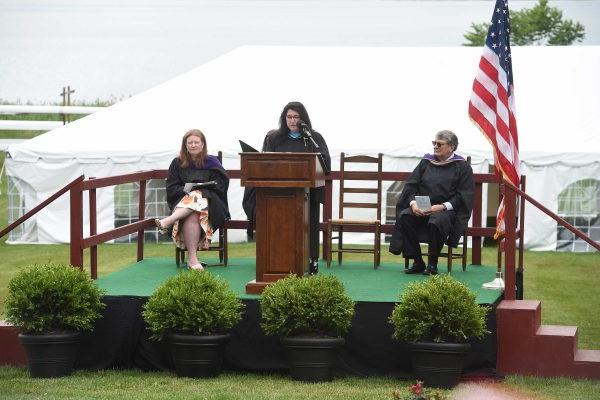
423	203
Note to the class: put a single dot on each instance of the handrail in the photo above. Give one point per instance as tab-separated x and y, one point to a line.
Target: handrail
552	215
79	242
43	204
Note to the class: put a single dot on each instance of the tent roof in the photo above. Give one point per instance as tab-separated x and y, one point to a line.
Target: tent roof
361	99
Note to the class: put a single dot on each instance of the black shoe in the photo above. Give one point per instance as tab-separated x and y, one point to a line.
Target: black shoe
415	269
430	270
313	266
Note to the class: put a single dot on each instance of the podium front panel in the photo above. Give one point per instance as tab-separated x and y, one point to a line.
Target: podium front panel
281	233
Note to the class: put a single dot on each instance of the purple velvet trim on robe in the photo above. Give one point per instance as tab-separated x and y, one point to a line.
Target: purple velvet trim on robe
209	162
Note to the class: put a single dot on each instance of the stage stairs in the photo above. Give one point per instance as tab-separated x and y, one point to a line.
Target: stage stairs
526	347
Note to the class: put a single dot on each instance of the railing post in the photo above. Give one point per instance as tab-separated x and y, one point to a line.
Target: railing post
521	225
327	211
76	201
93	231
477	212
509	243
141	217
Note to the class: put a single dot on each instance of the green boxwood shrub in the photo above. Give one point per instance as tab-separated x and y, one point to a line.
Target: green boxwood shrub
53	298
194	302
315	305
439	309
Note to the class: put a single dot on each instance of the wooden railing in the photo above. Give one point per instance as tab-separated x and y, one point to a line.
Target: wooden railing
512	192
79	243
40	206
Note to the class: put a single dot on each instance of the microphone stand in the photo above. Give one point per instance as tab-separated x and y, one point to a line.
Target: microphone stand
306	131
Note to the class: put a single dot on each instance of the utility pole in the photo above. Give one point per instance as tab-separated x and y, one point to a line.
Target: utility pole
66	101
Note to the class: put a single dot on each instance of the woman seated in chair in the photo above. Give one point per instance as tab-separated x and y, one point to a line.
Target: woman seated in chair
195	215
447	179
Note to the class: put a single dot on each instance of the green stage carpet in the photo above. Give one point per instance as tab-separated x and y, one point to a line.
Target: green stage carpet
362	282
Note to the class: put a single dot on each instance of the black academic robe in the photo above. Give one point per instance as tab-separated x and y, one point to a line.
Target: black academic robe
451	182
281	142
218	209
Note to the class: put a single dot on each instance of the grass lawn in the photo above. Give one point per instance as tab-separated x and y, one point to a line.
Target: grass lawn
132	385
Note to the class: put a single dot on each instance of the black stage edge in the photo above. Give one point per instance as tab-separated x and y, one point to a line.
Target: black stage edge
121	341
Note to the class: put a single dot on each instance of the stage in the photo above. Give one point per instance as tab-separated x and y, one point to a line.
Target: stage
121	341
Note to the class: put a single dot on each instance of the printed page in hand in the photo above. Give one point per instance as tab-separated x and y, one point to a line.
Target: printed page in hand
423	203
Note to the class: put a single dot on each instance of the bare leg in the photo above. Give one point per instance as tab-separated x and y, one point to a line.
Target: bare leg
191	236
179	214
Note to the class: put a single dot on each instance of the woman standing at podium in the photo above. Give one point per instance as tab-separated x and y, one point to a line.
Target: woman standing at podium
295	134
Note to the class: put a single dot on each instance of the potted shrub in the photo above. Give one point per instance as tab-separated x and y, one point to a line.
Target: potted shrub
51	304
436	318
309	315
194	311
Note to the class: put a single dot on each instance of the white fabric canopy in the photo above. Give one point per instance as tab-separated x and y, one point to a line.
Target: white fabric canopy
363	100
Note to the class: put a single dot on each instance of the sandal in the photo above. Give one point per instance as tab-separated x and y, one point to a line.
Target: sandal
198	267
161	230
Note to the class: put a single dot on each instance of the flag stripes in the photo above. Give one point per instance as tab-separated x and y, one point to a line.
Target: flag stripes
492	105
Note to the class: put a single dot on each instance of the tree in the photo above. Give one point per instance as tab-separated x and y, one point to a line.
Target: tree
540	25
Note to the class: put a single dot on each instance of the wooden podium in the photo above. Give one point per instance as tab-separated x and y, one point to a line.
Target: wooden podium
282	182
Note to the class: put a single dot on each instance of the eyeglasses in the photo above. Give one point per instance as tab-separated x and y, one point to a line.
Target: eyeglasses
436	143
292	116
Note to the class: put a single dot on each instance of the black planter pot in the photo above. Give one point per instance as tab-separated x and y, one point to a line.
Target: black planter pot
198	356
438	365
50	355
312	359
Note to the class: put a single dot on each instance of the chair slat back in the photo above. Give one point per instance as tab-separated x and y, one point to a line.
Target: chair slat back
348	176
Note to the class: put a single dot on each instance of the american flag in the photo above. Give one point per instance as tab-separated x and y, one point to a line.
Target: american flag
492	104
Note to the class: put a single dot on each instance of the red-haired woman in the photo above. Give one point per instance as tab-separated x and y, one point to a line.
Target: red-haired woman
195	215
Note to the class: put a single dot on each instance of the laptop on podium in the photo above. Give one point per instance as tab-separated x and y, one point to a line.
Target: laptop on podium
246	148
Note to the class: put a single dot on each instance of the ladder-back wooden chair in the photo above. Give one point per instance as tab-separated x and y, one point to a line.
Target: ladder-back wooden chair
221	246
347	223
449	254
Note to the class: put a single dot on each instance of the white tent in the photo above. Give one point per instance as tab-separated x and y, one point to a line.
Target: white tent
363	100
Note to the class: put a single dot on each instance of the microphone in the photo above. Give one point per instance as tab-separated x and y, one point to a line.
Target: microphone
307	132
305	128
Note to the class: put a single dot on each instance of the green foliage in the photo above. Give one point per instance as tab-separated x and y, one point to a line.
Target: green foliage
419	392
540	25
194	302
315	305
439	309
53	298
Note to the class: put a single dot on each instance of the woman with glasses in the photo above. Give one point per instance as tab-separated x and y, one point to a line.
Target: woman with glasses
199	210
295	134
447	180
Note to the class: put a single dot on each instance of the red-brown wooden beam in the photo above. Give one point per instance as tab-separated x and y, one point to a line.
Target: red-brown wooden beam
141	217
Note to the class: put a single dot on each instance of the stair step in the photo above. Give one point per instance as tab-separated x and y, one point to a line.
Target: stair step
587	356
523	305
557	330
